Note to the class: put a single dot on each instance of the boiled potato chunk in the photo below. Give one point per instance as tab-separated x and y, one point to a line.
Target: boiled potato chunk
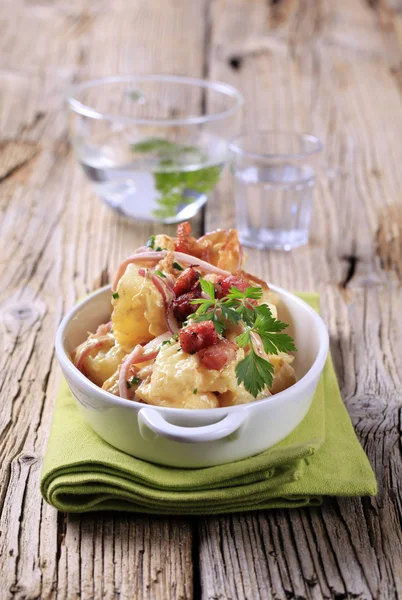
284	375
138	312
179	380
101	364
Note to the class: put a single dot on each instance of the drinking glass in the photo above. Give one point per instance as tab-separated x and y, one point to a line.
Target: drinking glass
154	146
274	180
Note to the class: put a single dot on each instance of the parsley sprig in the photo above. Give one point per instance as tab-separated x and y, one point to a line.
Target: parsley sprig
213	309
254	371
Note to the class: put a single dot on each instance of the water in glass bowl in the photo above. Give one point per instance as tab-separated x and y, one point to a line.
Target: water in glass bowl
155	179
274	205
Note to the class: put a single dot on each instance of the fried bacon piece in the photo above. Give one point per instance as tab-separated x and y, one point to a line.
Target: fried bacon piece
198	336
182	307
185	242
186	281
218	355
222	286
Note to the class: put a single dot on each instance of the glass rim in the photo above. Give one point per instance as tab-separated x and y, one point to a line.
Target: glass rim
218	86
236	149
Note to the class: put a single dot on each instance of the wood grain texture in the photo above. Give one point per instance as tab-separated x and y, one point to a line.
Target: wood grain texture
58	242
330	68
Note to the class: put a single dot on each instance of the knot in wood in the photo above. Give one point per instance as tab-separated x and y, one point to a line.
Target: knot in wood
27	459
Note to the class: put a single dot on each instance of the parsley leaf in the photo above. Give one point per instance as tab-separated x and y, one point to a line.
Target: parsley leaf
218	323
230	314
251	293
254	372
241	300
269	329
175	184
116	296
208	288
160	274
177	266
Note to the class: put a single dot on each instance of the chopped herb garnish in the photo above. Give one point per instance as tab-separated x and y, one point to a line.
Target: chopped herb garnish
115	296
158	249
160	274
166	342
177	266
254	371
133	381
151	242
195	390
178	349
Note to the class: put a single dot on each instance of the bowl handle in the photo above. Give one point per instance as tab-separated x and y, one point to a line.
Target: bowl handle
157	423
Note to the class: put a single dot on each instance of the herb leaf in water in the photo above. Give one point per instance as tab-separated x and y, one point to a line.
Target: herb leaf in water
174	185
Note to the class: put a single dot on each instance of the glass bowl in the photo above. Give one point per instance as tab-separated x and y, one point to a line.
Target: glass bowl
154	146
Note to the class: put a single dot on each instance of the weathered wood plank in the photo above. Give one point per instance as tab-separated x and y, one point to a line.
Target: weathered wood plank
328	68
315	66
57	242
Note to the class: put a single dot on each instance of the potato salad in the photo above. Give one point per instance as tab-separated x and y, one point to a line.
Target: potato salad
189	327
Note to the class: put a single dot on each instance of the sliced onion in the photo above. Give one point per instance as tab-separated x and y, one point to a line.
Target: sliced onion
139	355
168	296
186	259
152	258
258	345
162	287
171	321
86	348
104	328
170	281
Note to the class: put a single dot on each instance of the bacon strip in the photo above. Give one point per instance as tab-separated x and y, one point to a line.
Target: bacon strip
186	281
217	356
198	336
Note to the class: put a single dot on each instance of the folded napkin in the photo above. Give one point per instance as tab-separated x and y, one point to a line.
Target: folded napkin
322	456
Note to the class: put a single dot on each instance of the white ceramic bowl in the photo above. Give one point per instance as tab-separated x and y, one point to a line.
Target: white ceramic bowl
195	438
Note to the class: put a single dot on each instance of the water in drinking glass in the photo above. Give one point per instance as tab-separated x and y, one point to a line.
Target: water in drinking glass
274	204
274	179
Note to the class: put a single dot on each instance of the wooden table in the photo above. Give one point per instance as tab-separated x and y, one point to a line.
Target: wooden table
332	68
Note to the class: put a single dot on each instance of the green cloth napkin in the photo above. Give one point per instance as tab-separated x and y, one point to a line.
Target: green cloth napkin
321	457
